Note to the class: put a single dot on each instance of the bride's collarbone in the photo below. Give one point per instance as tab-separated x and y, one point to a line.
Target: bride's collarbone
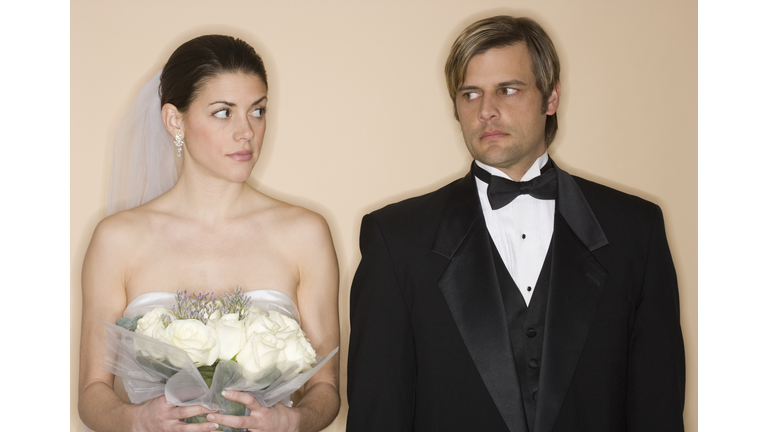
242	248
240	255
190	230
270	222
199	263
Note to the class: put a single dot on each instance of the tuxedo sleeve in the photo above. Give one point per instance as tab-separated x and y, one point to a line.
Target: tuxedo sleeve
656	356
381	365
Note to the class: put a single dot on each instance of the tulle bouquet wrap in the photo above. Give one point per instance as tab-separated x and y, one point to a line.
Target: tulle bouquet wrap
202	346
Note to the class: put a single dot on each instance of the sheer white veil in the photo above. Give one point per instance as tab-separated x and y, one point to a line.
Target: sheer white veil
143	165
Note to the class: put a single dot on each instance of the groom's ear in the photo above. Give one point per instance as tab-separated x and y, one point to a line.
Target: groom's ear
172	119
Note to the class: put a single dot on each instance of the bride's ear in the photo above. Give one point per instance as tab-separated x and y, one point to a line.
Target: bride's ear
172	119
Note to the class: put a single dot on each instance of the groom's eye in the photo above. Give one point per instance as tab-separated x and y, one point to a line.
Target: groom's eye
471	95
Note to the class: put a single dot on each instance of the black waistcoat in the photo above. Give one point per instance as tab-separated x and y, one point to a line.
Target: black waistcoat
526	327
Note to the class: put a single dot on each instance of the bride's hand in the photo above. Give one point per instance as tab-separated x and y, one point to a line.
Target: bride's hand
158	415
276	418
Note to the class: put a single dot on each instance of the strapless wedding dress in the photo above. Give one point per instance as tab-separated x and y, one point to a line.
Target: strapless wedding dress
263	299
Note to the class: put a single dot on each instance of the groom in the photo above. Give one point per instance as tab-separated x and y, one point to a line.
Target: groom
518	298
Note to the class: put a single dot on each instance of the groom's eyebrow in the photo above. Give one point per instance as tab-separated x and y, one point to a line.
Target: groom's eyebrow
232	104
509	83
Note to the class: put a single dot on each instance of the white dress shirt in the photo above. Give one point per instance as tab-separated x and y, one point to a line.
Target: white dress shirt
521	230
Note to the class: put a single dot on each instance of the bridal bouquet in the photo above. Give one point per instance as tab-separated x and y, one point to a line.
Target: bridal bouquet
201	346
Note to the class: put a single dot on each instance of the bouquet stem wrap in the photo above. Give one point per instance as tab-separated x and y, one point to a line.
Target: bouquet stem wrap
151	368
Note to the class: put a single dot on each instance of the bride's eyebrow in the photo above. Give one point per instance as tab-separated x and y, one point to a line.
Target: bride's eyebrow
232	104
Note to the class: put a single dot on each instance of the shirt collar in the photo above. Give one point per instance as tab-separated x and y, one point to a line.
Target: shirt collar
533	172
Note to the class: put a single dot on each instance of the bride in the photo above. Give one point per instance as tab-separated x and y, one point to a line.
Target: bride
210	232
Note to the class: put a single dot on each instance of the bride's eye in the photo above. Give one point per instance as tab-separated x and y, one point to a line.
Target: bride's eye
222	113
259	112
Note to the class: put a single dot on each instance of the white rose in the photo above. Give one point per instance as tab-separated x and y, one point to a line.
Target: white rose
298	351
282	326
217	313
271	322
231	333
151	324
254	323
260	355
280	332
198	340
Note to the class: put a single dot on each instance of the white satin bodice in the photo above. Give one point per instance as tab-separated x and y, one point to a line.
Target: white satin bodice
263	299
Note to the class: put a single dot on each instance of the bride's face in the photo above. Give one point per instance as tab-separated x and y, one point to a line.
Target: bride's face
224	126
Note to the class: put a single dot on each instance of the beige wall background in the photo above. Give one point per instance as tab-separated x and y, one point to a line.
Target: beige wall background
359	115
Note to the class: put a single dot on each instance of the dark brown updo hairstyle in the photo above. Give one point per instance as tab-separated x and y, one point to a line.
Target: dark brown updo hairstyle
202	58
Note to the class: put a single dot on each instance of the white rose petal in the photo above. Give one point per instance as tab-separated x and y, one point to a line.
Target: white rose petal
216	315
198	340
264	329
299	352
151	324
260	355
255	324
283	326
231	333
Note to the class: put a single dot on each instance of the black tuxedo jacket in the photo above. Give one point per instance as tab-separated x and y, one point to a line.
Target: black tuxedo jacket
430	348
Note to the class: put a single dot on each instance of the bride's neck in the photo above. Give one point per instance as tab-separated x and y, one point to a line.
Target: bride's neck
210	201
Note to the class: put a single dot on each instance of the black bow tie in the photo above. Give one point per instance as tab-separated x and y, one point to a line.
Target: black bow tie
503	191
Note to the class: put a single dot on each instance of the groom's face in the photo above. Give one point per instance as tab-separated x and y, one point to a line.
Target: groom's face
500	110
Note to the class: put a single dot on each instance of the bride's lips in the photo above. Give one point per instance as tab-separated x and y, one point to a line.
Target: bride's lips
492	135
241	156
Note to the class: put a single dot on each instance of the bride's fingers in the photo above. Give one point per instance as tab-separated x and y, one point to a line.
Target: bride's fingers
242	397
275	418
258	419
239	422
190	411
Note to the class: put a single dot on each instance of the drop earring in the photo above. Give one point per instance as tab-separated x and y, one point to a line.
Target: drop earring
178	142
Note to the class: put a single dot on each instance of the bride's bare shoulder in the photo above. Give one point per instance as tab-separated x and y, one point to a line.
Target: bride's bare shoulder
294	222
128	227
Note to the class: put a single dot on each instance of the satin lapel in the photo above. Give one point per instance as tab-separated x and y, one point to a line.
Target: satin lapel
575	289
574	208
471	290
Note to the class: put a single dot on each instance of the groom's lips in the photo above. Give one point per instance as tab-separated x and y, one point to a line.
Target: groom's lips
492	135
241	156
